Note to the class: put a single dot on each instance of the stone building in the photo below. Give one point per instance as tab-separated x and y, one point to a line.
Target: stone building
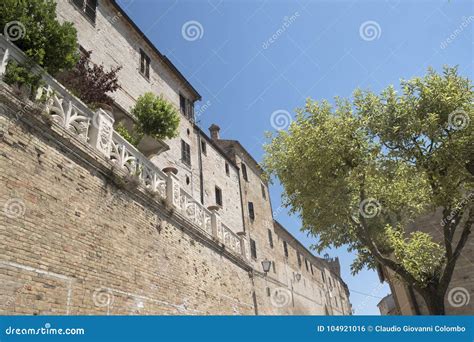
387	306
84	233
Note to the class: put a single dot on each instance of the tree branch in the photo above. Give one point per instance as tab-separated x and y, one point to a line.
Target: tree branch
451	262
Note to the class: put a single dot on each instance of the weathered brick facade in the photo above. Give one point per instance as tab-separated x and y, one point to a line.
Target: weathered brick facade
78	236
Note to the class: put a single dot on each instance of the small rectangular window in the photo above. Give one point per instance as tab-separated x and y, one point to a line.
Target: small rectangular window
218	196
298	256
312	272
270	238
285	248
144	64
227	172
244	172
322	275
274	267
306	264
264	193
204	147
251	211
87	7
268	292
253	248
185	153
182	104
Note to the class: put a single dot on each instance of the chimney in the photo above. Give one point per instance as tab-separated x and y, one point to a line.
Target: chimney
214	129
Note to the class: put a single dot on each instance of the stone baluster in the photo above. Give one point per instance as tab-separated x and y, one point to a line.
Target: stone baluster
172	187
4	53
215	220
101	131
243	243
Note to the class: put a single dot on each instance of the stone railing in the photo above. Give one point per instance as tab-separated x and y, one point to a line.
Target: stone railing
96	129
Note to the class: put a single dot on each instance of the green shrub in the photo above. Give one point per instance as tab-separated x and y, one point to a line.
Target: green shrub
39	34
156	116
21	74
133	138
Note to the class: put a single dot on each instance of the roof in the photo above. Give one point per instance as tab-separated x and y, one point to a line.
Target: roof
165	59
248	155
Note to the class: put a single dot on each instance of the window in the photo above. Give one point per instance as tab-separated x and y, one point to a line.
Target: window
227	172
88	7
268	292
285	248
312	272
306	264
270	238
218	196
264	193
253	249
185	153
186	107
299	258
251	211
324	278
274	267
244	172
144	64
203	147
182	104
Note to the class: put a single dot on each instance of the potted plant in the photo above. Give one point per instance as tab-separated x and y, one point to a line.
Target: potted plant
157	119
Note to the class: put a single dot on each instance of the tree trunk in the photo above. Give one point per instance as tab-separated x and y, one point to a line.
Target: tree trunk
434	301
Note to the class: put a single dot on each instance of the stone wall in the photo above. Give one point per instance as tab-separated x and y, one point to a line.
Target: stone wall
73	240
311	293
78	238
114	42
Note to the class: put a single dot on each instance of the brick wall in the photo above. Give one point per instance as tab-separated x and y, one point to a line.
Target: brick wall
79	241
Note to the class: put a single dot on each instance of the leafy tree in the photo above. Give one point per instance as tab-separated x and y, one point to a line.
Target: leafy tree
156	116
91	82
39	34
360	172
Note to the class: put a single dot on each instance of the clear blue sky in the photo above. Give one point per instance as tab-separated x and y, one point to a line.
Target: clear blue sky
326	49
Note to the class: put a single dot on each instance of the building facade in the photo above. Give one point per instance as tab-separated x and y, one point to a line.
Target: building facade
189	238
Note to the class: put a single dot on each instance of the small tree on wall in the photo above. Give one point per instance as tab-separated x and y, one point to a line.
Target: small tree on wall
91	82
156	116
33	27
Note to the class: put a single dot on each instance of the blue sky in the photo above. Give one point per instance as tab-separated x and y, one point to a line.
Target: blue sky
249	59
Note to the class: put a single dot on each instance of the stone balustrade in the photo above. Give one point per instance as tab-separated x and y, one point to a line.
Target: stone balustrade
96	129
